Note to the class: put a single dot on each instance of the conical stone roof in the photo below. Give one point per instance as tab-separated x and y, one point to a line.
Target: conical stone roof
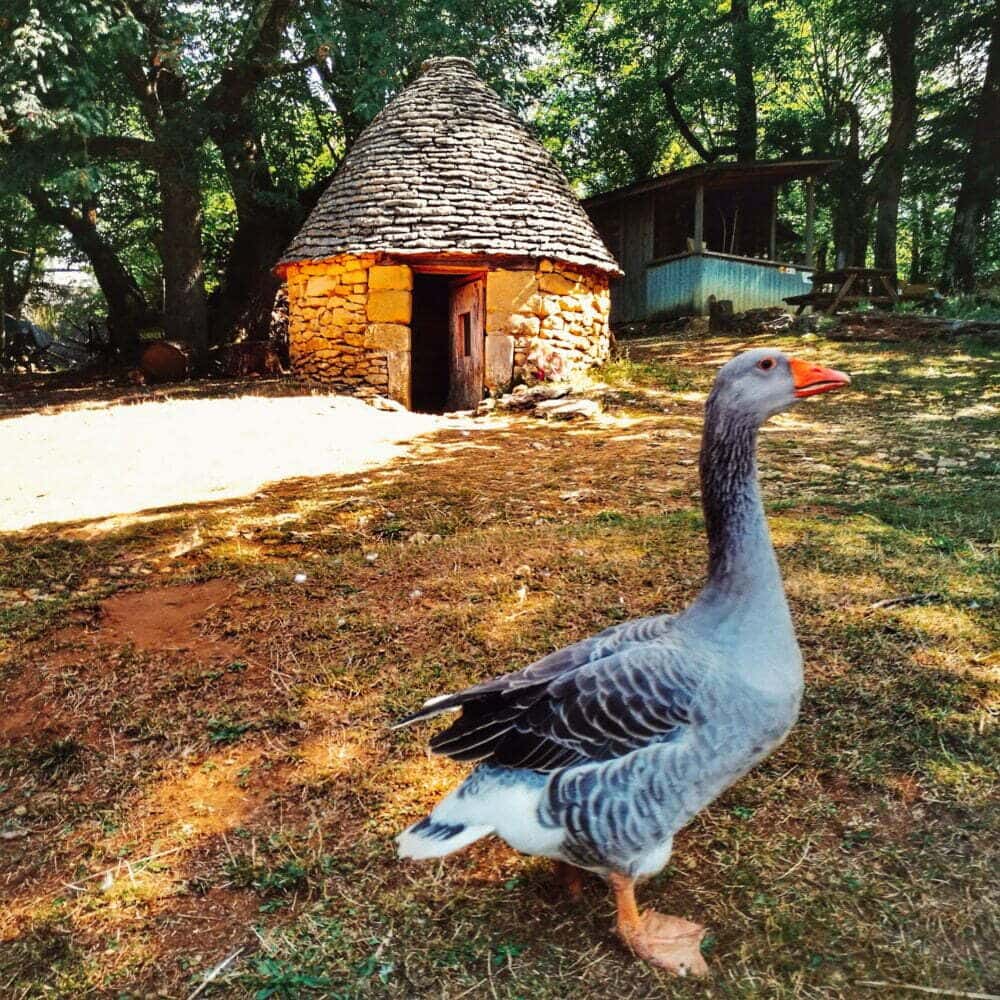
446	167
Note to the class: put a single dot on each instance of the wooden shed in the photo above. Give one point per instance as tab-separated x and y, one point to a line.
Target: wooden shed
710	230
448	256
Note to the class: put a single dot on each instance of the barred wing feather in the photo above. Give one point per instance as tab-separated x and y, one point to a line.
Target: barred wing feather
564	660
637	690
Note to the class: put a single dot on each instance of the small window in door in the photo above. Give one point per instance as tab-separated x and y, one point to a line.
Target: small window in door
465	325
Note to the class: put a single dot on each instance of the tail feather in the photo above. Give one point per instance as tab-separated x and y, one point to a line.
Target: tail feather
433	706
432	839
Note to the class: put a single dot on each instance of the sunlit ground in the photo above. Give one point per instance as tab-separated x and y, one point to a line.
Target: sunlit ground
91	463
195	763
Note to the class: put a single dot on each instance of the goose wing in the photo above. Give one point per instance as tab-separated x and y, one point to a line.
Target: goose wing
624	689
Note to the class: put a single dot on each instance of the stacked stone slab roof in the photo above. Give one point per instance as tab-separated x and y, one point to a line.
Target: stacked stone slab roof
447	168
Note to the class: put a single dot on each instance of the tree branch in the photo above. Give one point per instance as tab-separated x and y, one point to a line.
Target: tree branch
258	59
283	68
667	85
123	147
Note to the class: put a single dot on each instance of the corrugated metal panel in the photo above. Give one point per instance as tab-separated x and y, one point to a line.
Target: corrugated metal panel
685	285
671	288
750	286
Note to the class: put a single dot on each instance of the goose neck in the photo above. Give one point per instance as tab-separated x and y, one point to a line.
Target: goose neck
740	554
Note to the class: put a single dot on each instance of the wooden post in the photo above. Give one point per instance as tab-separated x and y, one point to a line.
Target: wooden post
772	240
810	222
699	218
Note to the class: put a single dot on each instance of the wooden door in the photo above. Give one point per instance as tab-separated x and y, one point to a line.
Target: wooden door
466	318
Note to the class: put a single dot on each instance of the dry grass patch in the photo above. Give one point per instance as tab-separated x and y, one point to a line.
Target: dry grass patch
194	746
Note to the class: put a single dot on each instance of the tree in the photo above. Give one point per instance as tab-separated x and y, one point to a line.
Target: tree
900	38
128	311
22	250
238	110
133	86
979	176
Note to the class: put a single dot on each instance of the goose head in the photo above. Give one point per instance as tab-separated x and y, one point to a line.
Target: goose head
757	384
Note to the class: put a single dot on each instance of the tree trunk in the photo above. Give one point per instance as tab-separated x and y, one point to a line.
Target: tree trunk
185	309
13	288
920	236
847	182
245	299
746	94
128	311
901	44
979	178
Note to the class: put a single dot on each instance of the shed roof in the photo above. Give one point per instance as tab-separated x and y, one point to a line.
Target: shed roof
446	167
719	177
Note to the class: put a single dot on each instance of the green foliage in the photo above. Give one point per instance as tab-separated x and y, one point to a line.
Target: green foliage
984	307
244	873
223	731
258	102
23	240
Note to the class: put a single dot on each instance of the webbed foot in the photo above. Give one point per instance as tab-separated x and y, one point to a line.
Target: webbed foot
670	943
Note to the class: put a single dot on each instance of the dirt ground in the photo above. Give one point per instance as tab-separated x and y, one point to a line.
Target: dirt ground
86	462
196	765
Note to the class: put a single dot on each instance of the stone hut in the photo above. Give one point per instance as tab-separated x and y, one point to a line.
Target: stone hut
448	256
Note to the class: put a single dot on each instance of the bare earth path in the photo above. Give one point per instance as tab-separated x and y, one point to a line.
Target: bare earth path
92	463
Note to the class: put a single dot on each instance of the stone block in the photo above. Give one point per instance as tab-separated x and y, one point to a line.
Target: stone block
506	293
388	336
557	284
524	326
499	360
388	306
321	286
399	377
394	277
355	276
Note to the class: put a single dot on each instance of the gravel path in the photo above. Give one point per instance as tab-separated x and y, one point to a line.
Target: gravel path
94	463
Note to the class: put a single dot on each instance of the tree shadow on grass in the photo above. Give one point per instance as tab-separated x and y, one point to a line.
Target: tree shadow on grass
847	851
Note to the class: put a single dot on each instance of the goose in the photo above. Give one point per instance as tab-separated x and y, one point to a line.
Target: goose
597	754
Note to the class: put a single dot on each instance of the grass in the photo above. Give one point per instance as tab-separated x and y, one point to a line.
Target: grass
238	787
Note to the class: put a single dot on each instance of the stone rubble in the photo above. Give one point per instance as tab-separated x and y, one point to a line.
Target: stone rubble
546	401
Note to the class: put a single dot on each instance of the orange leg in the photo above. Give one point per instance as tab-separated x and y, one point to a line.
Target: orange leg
571	879
670	943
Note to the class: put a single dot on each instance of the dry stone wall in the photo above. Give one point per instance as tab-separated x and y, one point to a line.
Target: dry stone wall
350	323
554	320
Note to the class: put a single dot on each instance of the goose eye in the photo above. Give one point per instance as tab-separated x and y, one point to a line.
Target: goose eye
766	365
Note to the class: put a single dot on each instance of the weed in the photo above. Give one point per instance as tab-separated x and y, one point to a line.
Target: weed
867	843
58	757
222	731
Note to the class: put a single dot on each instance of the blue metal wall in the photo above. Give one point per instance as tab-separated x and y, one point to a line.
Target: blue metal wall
683	286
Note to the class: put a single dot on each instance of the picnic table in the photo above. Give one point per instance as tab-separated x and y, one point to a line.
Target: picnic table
846	287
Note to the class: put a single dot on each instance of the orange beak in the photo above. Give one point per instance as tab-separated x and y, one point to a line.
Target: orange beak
811	380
